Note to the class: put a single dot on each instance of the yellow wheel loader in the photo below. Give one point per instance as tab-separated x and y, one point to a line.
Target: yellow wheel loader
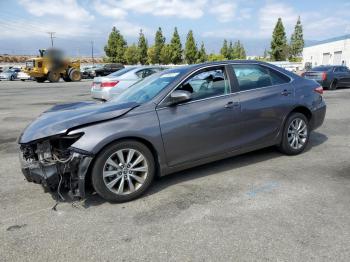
51	65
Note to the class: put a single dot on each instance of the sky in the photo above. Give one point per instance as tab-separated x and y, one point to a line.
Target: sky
24	23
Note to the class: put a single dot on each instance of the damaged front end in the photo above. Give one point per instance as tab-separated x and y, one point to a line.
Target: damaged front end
54	164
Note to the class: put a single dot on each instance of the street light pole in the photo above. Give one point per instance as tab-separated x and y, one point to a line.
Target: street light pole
92	53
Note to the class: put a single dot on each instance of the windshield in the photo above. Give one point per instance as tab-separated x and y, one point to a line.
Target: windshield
122	71
147	89
322	68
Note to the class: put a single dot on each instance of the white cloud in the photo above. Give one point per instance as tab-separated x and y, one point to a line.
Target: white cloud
20	28
173	8
131	29
110	9
224	11
269	14
68	9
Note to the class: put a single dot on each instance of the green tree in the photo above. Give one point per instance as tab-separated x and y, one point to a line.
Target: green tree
166	54
159	42
131	55
224	50
202	54
297	41
279	47
176	48
215	57
115	47
241	51
151	55
190	48
142	48
230	51
238	51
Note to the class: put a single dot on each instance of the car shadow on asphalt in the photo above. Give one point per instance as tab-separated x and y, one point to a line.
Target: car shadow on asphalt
212	168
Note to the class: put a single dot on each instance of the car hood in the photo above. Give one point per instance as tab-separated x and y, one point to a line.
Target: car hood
60	118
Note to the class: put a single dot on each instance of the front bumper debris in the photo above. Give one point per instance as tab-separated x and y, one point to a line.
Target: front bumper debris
55	175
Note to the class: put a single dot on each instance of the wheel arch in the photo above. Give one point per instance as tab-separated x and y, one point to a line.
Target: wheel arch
303	110
144	141
297	109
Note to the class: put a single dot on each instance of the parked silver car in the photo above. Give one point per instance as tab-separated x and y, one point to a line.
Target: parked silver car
106	87
9	74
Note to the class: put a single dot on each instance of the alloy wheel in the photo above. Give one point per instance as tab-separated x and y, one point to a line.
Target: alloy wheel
297	133
125	171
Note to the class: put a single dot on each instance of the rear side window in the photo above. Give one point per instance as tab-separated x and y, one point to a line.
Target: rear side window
256	76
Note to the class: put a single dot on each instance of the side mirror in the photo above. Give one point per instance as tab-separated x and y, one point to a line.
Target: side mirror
179	96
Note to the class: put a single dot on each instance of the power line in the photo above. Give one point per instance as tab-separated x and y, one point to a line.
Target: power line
52	37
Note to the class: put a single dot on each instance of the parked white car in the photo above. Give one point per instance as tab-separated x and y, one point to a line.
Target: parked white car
106	87
23	76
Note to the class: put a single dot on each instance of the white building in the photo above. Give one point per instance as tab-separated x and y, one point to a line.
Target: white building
335	51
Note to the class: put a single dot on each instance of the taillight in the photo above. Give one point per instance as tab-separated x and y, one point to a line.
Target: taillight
109	84
319	90
324	76
302	74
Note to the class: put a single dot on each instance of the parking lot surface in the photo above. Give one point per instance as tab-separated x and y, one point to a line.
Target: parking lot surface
259	206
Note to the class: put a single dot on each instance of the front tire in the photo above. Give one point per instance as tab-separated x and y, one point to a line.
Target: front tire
296	134
123	171
54	77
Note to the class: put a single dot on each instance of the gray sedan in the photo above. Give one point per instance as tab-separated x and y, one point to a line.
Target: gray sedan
170	121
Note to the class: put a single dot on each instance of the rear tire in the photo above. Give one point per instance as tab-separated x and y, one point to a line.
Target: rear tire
123	171
54	77
295	135
74	75
333	85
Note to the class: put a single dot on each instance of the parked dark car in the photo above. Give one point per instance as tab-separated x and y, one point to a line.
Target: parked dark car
330	77
107	69
170	121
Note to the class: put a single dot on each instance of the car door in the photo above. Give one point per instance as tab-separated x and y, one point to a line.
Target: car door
204	126
344	80
338	75
266	96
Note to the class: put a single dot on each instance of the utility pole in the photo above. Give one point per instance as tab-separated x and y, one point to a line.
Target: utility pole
92	53
52	37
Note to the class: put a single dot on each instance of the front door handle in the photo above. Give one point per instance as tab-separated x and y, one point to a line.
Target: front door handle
286	92
232	104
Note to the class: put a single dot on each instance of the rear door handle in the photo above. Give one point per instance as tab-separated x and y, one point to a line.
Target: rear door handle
232	104
286	93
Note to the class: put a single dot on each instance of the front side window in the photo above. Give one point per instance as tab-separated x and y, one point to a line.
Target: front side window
207	83
256	76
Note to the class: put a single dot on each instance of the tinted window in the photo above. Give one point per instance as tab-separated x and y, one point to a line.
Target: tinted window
256	76
208	83
122	71
145	72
